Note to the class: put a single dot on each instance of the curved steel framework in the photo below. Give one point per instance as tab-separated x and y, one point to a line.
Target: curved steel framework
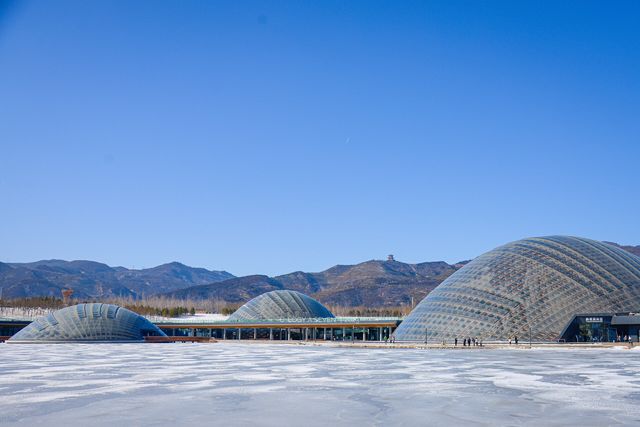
282	304
532	286
88	323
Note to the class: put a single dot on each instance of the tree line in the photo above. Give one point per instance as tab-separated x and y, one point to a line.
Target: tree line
176	307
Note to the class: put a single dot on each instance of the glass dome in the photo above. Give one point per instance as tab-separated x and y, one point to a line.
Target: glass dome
535	284
282	304
88	323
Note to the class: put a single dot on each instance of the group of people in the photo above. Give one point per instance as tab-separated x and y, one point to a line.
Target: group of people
468	342
625	338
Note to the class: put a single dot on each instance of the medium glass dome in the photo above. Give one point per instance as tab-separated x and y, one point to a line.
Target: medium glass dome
281	304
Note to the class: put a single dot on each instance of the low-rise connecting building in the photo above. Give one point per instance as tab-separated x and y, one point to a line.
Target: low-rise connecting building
326	329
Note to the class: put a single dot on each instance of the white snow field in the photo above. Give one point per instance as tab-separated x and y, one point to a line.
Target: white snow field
237	384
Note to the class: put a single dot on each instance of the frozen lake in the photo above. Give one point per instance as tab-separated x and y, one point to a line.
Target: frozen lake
274	385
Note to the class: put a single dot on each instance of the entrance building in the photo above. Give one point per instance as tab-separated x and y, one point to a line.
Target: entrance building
603	327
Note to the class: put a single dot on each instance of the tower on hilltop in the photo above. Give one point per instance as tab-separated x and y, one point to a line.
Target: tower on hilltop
66	295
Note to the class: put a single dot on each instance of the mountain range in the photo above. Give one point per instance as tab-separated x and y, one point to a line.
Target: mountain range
633	249
90	279
373	283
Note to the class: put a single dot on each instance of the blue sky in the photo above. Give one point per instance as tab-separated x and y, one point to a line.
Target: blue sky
268	137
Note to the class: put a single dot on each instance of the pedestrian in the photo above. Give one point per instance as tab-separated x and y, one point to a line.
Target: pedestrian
516	339
455	342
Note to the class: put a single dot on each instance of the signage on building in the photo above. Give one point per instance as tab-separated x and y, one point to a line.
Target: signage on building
593	320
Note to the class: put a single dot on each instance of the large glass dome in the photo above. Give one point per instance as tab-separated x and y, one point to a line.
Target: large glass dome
88	323
537	283
281	304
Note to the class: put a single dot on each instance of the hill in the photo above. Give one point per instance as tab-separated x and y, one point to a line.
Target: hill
632	249
372	283
90	279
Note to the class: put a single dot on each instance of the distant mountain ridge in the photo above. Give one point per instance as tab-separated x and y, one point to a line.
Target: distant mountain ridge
632	249
371	283
90	279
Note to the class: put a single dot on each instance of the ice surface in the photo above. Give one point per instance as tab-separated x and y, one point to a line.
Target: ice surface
239	384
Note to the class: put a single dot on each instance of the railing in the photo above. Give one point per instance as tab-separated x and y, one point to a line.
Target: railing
155	339
312	320
11	315
23	314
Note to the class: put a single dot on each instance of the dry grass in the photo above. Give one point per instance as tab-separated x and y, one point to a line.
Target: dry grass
173	307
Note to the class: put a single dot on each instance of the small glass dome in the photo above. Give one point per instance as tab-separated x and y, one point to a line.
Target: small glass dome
88	323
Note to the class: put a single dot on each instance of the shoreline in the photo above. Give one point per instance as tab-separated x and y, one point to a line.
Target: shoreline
422	346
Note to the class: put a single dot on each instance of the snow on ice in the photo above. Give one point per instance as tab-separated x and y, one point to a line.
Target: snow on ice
240	384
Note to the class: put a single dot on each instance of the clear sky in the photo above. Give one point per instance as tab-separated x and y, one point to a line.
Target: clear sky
270	137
